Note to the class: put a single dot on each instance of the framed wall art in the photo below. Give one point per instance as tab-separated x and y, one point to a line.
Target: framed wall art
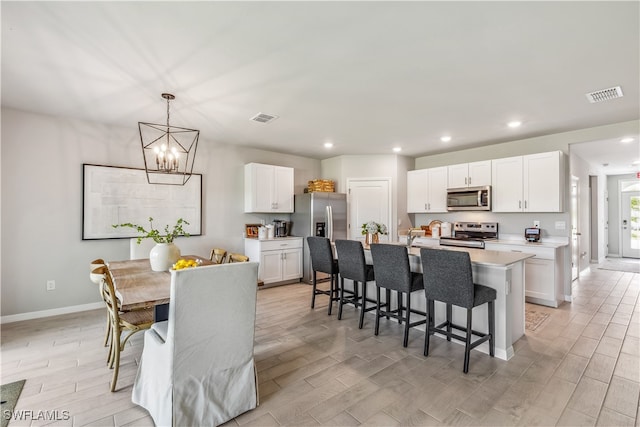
116	195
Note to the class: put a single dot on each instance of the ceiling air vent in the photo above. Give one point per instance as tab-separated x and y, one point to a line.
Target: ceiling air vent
263	118
604	94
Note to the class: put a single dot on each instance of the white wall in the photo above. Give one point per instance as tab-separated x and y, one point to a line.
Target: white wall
341	168
41	222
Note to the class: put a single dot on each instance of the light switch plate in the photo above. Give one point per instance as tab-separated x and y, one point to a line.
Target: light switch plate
536	224
561	225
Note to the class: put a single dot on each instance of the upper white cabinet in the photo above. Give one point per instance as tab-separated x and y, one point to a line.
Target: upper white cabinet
474	174
268	188
532	183
427	190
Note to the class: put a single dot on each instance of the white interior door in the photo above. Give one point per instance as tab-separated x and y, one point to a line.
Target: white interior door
369	200
630	222
575	233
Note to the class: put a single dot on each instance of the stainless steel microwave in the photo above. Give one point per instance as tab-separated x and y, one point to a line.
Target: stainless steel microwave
469	199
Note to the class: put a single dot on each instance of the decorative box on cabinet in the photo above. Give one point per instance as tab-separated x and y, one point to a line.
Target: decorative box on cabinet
427	190
544	279
268	188
474	174
280	259
532	183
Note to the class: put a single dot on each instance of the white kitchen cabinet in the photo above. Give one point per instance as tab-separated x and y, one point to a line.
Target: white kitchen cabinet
280	259
268	188
427	190
544	282
532	183
475	174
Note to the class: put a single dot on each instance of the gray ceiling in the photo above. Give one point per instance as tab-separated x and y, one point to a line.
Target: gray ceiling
366	76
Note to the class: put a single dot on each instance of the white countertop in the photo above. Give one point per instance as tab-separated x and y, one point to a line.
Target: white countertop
275	238
484	256
544	243
549	242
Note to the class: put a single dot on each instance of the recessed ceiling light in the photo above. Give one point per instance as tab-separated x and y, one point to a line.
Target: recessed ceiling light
514	124
397	149
445	138
328	144
625	140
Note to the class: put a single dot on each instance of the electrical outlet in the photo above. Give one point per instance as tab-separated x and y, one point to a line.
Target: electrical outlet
51	285
536	224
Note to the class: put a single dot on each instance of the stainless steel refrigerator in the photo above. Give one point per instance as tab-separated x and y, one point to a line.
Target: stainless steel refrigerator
318	214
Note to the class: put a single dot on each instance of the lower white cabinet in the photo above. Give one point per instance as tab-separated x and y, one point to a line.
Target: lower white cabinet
544	274
280	259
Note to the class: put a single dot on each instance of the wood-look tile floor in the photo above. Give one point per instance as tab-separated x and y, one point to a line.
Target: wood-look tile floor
580	367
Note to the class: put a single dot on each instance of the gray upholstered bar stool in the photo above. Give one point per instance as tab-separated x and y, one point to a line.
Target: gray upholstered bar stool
354	267
448	278
322	260
391	266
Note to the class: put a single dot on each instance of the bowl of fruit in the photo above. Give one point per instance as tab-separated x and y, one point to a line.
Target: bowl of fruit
183	263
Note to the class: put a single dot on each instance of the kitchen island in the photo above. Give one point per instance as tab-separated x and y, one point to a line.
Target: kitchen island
502	271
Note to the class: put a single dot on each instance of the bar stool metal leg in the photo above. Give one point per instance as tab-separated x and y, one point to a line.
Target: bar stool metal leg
492	329
467	344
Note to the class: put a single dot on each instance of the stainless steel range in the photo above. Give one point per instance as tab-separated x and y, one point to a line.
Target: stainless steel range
471	234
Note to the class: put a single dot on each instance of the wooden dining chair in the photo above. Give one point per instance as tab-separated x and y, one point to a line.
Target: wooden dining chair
218	255
97	279
128	322
237	258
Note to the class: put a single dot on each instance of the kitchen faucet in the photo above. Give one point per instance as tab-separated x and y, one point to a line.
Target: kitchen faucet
411	237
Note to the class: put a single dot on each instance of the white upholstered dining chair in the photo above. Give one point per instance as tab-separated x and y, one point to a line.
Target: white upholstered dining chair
197	368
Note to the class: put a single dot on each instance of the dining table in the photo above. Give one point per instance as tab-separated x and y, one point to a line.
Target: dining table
138	286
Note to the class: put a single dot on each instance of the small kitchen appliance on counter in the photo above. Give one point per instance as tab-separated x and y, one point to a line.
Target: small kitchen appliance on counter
281	228
532	234
471	234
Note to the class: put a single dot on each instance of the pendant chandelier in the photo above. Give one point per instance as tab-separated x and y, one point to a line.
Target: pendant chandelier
168	151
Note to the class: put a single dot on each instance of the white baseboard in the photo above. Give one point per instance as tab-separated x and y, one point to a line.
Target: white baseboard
48	313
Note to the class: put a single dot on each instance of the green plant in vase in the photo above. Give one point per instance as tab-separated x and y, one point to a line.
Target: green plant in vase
153	233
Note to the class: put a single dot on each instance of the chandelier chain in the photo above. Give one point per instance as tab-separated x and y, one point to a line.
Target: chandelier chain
168	100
